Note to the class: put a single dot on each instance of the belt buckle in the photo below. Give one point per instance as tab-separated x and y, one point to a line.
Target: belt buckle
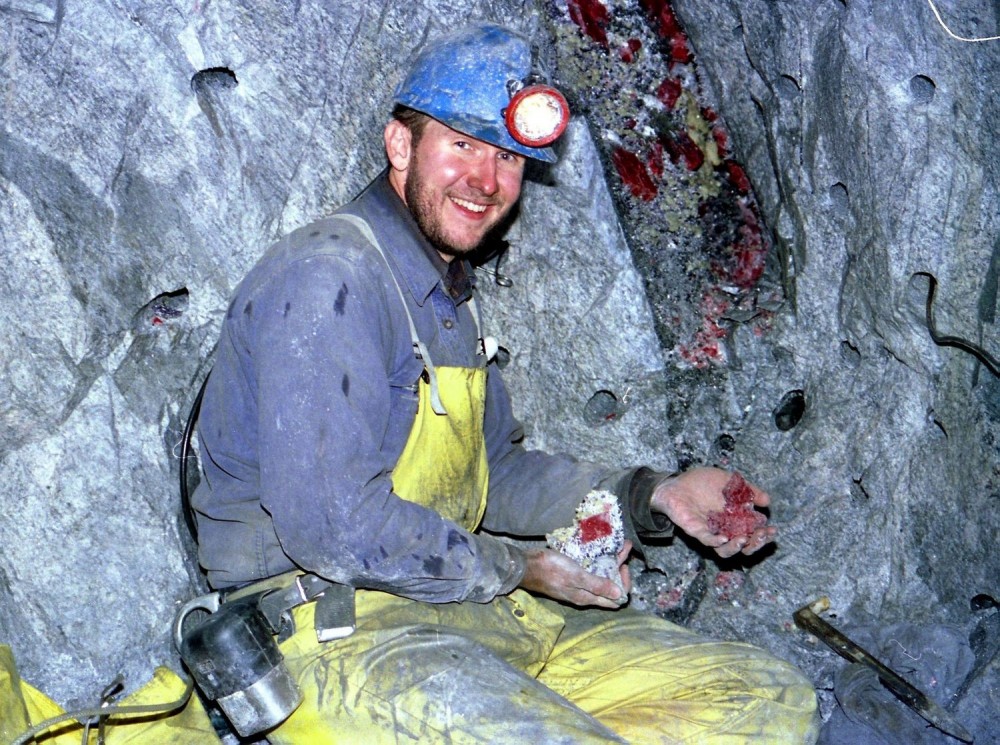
302	590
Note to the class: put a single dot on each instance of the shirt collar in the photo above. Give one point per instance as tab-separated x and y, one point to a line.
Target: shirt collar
420	265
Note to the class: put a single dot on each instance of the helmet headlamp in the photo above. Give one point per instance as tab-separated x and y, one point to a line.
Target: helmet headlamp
537	115
485	81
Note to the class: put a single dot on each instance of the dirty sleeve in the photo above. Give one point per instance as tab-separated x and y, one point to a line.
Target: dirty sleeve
533	492
312	376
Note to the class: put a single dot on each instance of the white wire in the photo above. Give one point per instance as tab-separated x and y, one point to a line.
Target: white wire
951	33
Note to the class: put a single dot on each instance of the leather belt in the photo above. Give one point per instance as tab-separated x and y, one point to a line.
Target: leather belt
277	604
281	594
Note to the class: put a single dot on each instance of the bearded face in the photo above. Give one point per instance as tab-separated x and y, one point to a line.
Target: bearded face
459	188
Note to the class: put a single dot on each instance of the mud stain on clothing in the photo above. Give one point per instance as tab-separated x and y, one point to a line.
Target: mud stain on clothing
341	301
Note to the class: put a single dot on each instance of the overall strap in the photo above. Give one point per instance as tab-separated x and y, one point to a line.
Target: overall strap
421	349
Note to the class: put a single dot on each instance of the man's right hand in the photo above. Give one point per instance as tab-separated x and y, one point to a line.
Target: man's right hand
551	574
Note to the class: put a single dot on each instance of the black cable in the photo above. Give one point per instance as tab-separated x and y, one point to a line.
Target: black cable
100	712
186	453
955	341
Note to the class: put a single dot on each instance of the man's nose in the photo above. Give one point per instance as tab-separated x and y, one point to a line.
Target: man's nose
483	176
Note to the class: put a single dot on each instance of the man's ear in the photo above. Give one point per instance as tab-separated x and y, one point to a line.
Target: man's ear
398	145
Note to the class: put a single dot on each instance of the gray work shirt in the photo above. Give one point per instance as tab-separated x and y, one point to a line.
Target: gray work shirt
310	403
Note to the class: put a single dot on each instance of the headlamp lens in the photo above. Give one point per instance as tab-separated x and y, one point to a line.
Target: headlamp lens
537	115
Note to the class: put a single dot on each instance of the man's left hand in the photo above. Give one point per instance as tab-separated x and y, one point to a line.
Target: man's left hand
550	573
688	499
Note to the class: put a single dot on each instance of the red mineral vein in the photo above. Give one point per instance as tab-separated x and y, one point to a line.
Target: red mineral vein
592	18
634	174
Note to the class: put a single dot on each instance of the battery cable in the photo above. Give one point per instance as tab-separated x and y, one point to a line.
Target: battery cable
951	33
114	710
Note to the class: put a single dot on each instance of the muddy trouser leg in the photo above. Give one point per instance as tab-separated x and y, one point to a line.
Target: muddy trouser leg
424	673
652	681
466	672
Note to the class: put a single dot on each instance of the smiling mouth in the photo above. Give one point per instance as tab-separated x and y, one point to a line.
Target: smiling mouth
470	206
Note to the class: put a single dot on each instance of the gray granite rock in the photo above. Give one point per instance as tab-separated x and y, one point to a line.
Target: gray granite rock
871	141
576	321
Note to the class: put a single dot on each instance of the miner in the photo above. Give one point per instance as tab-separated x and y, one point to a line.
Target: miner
356	429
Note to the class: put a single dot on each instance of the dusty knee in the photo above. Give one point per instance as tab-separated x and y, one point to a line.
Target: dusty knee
760	694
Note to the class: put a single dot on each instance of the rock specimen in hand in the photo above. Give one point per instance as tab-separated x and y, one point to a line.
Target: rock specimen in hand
739	518
596	536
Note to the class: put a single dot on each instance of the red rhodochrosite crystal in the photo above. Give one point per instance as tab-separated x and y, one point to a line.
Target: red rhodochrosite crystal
633	173
739	517
592	18
594	527
669	91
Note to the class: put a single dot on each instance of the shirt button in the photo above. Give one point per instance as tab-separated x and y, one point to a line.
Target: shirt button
519	613
447	323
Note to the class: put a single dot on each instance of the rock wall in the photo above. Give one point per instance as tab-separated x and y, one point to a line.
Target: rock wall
870	138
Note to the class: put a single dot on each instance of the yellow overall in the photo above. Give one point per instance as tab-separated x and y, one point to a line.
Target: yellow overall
521	669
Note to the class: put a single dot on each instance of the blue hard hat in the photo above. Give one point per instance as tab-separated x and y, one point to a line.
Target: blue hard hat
466	80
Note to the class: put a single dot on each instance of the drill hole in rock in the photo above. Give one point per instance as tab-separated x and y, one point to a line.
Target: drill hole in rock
789	410
603	407
214	78
788	87
840	199
164	309
922	89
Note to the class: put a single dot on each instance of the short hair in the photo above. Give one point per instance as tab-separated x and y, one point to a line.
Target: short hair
412	119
